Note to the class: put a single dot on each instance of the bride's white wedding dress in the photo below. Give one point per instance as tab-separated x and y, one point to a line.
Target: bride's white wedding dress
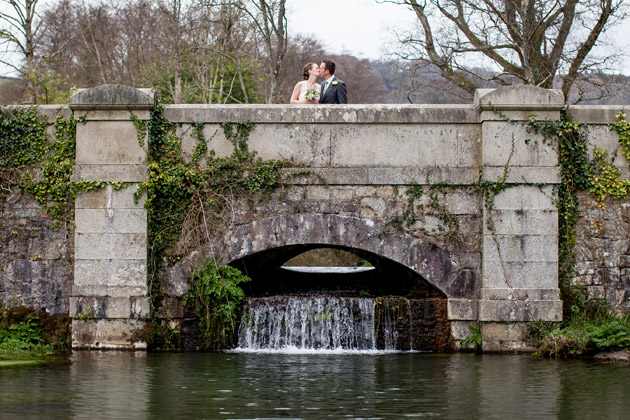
303	90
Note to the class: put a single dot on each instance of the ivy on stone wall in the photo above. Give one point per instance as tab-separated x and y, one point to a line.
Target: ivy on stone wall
34	162
579	172
622	127
575	166
190	203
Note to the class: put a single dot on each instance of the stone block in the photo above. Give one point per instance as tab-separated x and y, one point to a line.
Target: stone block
520	274
111	220
108	197
372	207
114	334
523	222
123	246
470	224
342	193
307	145
525	197
423	175
594	114
460	330
523	174
326	176
109	142
502	337
520	294
109	307
110	173
462	309
109	291
524	96
362	191
524	248
519	310
462	202
385	192
505	143
112	97
122	115
318	193
426	145
108	272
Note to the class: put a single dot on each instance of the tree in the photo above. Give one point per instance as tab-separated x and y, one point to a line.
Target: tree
19	36
270	19
529	41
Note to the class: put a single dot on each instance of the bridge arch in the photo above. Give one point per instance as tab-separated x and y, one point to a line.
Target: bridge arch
278	239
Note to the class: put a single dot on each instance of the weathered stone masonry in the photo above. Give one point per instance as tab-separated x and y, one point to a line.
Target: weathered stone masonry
498	268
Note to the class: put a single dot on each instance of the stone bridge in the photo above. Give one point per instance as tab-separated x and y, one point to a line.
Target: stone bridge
495	261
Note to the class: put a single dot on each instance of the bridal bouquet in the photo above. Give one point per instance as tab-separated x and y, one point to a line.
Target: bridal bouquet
311	94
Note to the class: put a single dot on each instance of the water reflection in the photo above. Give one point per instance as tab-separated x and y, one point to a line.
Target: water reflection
202	385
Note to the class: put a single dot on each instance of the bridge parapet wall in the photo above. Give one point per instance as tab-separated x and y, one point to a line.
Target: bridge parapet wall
366	155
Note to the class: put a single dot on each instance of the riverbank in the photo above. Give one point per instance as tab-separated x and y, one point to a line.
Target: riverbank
585	334
29	337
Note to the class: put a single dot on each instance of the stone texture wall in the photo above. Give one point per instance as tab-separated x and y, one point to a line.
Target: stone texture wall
366	217
36	263
603	235
602	251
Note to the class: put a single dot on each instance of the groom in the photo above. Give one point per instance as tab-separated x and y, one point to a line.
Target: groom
333	89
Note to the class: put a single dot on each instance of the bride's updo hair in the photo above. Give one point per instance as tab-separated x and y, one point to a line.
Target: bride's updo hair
306	69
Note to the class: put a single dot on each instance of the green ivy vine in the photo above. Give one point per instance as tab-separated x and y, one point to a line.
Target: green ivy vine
575	166
189	202
33	162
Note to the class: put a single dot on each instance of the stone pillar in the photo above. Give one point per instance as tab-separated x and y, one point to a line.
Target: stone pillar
520	231
109	301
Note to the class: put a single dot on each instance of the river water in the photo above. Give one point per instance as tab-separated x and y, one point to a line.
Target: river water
315	385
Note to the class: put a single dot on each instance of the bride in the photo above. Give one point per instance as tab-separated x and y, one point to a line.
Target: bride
307	88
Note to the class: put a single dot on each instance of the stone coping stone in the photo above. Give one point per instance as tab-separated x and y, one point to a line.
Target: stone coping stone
112	97
49	111
596	114
324	114
519	97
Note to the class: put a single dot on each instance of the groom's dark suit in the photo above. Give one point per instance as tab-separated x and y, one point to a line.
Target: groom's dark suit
335	94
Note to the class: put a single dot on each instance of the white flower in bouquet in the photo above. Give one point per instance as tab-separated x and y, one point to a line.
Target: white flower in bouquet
311	94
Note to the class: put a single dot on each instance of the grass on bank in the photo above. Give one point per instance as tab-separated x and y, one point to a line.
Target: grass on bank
28	336
23	340
586	333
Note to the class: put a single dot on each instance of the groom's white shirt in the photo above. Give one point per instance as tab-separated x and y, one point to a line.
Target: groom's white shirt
328	82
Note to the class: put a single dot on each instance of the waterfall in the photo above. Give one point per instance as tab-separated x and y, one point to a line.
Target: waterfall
308	322
328	322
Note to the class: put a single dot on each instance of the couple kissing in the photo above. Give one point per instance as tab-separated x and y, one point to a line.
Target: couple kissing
330	91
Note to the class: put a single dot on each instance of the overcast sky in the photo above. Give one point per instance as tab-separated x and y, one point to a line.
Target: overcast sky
363	27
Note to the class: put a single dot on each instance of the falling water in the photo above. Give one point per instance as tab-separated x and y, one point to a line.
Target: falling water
326	322
308	322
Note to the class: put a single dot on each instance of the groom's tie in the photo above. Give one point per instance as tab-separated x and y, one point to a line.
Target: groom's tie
325	87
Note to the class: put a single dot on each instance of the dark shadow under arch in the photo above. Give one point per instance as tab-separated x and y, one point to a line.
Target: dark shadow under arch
387	277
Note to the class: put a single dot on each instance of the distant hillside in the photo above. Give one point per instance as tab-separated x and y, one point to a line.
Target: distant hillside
415	82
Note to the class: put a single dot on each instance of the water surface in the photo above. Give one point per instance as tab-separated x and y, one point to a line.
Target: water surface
117	385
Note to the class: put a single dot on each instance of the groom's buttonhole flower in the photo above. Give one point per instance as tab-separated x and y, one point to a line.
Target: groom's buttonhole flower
335	83
311	94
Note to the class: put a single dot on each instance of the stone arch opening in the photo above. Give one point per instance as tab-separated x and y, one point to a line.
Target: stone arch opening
385	277
408	287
